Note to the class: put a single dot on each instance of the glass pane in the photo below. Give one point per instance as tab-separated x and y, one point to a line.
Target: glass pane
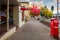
3	27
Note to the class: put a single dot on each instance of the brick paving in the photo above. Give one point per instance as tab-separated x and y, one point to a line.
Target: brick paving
32	30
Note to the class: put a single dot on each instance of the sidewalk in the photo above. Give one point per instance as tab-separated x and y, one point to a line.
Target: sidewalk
32	30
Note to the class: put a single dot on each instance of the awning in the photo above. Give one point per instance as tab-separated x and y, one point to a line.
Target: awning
11	2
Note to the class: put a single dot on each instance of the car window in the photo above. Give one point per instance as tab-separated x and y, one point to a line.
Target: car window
2	14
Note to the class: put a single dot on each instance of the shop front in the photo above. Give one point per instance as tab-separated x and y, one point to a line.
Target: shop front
8	16
11	17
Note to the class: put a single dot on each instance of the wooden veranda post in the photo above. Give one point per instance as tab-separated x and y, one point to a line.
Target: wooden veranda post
7	15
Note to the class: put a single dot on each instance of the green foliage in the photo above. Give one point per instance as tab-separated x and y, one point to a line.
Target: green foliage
46	12
30	13
41	13
49	14
52	8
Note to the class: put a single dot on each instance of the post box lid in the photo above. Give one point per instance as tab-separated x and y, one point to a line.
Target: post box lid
52	19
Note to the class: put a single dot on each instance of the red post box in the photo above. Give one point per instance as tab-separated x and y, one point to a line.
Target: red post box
51	25
54	27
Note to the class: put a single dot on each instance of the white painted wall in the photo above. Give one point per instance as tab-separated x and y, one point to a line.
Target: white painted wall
20	18
55	11
17	16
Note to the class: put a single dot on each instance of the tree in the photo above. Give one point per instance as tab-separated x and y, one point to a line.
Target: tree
47	13
41	13
52	8
45	7
35	11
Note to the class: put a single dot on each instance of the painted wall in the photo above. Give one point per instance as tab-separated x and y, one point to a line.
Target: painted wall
26	13
16	15
20	16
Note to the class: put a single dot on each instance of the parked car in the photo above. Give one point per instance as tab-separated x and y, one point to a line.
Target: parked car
2	17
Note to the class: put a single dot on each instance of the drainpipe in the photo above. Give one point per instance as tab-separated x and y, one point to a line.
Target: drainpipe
58	15
7	15
57	10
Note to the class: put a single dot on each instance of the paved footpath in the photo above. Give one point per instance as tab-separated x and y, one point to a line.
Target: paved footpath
32	30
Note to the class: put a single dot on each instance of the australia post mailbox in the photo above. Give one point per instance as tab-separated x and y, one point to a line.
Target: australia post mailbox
54	27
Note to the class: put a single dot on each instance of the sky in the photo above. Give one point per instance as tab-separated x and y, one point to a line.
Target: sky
49	3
